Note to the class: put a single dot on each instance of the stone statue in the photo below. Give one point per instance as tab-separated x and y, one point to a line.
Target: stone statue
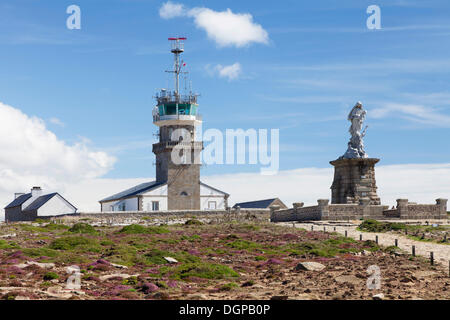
356	144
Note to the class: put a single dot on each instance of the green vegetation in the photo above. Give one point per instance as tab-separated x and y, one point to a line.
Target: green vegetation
131	281
156	256
50	276
40	252
8	245
204	270
139	229
243	245
229	286
47	228
377	226
73	242
192	238
191	222
83	228
328	248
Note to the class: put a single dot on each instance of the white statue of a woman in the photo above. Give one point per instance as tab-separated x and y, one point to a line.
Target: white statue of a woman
356	144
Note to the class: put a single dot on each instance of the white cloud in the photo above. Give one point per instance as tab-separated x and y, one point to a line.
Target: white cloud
231	72
32	155
171	10
56	121
224	27
415	113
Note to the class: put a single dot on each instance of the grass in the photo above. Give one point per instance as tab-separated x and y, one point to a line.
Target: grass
229	286
191	222
156	256
49	227
412	231
83	228
8	245
74	242
139	229
50	276
203	270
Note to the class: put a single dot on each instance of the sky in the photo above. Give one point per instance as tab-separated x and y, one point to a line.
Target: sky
76	104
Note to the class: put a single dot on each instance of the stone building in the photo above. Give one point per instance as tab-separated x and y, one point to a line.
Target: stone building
36	204
177	185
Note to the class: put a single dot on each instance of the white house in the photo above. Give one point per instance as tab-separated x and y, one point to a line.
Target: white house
33	205
152	196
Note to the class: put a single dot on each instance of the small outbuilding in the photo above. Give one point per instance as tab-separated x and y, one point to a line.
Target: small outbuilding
261	204
36	204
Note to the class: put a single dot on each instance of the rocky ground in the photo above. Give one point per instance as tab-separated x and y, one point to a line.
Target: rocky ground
192	260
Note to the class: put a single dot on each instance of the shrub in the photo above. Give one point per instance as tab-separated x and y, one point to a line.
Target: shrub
50	276
70	243
204	270
191	222
83	228
139	229
229	286
156	256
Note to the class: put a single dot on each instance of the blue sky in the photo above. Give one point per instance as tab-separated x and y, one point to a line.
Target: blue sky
96	84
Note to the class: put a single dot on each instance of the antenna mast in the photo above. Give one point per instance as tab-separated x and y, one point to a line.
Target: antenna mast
177	49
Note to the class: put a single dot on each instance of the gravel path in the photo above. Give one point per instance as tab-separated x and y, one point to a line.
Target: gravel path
441	252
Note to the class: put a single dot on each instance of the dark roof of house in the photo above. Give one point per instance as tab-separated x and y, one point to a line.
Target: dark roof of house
208	186
143	187
19	201
255	204
39	202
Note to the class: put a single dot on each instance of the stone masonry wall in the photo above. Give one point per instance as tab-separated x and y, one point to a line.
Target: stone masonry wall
131	217
364	210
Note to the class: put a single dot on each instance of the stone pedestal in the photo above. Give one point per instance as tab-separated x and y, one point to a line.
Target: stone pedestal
354	180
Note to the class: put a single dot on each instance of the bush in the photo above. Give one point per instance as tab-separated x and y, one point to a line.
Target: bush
139	229
229	286
156	256
191	222
83	228
50	276
376	226
204	270
69	243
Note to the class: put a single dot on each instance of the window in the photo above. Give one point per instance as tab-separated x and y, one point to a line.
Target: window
212	205
122	207
155	205
111	208
183	193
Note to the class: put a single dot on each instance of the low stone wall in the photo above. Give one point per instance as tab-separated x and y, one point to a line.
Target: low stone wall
364	210
132	217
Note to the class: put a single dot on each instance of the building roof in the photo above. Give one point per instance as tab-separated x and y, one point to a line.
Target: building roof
145	187
255	204
208	186
19	201
36	204
39	202
141	188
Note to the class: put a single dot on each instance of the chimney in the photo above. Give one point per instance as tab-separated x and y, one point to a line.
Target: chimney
36	192
18	194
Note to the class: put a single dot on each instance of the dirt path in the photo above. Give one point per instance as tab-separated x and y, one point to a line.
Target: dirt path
441	252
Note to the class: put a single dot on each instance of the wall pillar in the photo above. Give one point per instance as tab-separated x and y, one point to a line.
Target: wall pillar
324	209
442	203
402	208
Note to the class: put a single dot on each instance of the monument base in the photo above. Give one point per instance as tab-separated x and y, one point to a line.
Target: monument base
354	181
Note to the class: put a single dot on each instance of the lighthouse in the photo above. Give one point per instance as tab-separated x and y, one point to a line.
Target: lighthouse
177	152
178	149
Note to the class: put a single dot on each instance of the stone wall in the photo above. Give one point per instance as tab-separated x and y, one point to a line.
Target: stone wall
364	210
131	217
354	180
